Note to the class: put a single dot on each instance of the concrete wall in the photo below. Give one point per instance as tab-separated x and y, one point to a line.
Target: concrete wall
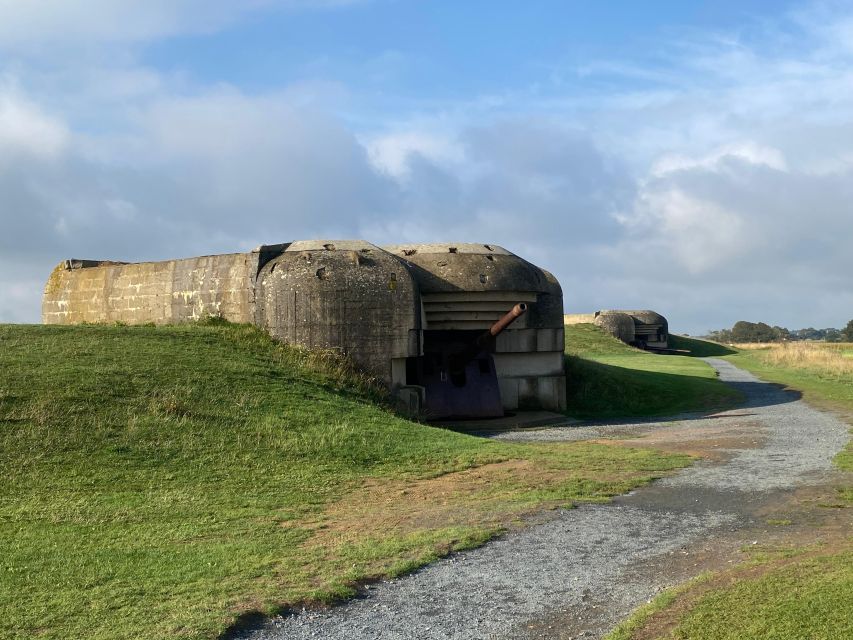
579	318
347	295
651	328
619	325
158	292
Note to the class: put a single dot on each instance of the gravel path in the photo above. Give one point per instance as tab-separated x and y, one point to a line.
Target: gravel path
604	559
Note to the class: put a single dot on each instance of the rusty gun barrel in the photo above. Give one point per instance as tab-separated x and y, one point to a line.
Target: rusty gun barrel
511	316
486	341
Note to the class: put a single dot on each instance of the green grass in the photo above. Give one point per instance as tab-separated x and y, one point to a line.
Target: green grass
808	599
159	482
699	348
608	379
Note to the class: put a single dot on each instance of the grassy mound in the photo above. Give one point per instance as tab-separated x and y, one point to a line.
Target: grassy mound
608	379
163	481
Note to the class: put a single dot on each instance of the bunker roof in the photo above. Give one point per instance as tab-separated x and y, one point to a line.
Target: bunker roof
448	267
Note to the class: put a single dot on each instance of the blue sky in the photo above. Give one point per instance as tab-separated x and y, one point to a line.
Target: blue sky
446	51
692	157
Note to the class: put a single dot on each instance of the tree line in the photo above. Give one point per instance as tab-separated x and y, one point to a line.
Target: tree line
744	331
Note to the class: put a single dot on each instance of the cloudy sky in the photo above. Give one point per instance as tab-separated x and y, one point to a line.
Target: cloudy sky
691	157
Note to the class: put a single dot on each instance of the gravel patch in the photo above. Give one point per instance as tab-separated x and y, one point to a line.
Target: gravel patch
586	557
802	441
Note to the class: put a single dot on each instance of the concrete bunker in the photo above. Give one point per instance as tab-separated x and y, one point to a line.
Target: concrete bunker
467	366
641	328
619	325
422	318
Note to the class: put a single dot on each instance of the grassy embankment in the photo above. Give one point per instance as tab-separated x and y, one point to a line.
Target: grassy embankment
161	482
608	379
792	593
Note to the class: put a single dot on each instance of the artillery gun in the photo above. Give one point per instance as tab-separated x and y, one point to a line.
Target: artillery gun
458	372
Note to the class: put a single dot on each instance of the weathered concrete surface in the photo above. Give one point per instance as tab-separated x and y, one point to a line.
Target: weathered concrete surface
582	570
650	328
579	318
158	292
378	306
619	325
468	268
355	297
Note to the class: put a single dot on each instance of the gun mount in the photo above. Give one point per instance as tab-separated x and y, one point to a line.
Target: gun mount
459	373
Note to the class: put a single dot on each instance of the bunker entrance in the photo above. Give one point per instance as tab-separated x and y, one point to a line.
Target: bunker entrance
458	374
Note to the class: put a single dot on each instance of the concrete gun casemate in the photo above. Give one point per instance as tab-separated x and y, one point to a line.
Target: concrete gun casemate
455	330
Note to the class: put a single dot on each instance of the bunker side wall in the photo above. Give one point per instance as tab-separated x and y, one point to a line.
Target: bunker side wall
365	304
578	318
160	292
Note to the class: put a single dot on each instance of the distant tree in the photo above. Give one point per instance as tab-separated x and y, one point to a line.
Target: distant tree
765	333
809	334
832	335
744	331
847	332
720	335
782	334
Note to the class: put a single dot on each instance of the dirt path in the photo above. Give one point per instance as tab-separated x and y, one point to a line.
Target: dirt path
583	570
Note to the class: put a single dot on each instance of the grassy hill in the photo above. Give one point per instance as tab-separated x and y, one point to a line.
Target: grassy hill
608	379
161	482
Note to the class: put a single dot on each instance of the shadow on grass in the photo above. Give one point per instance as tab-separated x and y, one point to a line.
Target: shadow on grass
597	392
699	348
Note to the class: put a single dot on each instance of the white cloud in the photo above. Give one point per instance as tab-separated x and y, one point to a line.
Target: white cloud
218	171
541	189
715	160
699	234
23	24
392	152
26	129
288	168
33	25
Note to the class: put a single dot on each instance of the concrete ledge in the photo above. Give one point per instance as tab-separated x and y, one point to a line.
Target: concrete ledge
518	420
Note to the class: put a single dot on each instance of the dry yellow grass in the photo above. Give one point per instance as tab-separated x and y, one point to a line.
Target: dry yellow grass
835	358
